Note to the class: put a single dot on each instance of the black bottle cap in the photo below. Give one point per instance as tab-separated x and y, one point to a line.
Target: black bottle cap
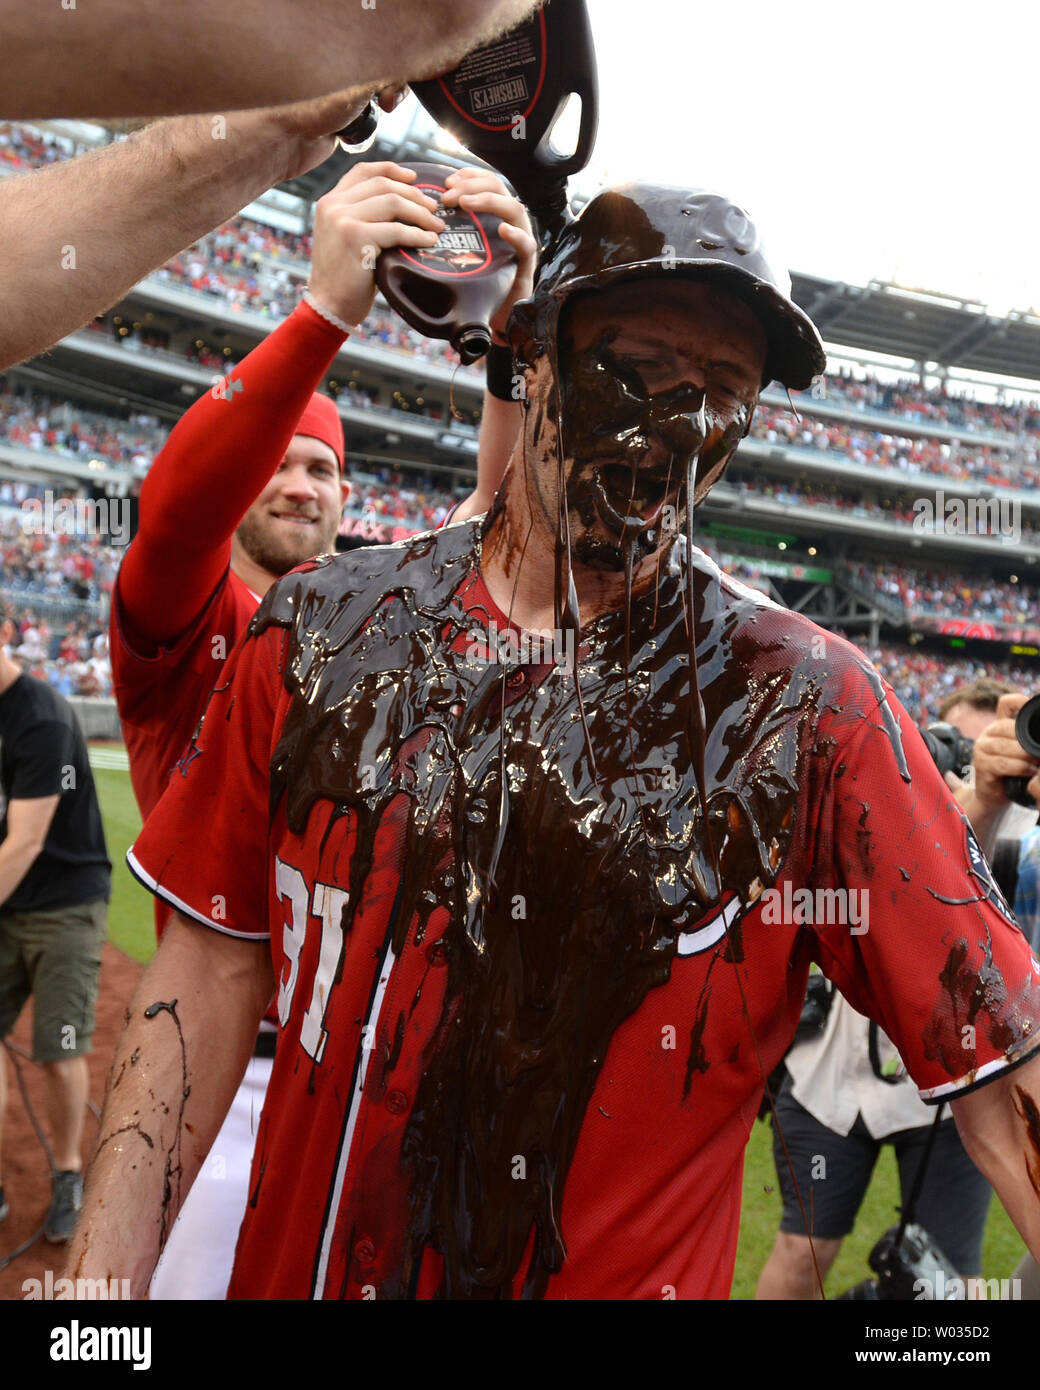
472	342
360	133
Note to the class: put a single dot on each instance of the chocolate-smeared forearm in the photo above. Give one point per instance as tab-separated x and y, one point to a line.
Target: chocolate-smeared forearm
1000	1127
187	1040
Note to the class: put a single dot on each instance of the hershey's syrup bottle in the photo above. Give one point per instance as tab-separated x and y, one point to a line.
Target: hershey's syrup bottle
451	289
503	100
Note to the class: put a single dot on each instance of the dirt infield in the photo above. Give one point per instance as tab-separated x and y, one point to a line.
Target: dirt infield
26	1179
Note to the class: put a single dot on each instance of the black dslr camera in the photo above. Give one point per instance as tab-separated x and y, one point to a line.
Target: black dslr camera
952	752
907	1268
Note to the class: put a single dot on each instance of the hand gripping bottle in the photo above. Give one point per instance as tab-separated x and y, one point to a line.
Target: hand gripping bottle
451	289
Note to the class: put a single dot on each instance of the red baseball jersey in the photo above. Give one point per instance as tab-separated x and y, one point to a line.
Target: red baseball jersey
176	576
161	697
527	997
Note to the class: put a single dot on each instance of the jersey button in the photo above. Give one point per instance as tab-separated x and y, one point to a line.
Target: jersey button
396	1102
364	1250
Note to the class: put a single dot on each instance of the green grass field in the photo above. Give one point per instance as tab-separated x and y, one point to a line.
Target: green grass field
131	921
1001	1250
131	928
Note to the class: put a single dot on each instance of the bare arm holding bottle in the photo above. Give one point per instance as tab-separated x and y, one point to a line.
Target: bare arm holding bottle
79	234
111	58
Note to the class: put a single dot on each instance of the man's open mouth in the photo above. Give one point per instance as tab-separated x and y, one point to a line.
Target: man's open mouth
630	496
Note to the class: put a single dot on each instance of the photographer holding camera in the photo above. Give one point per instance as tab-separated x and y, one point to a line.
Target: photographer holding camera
998	812
844	1092
1010	836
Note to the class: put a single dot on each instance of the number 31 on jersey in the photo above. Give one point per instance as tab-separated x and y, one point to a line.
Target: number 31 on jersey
327	904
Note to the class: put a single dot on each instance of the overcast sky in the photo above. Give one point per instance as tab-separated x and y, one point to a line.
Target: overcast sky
896	140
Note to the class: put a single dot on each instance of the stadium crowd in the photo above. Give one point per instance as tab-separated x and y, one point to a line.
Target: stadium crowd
137	337
40	422
37	421
56	566
231	265
46	574
922	679
796	492
1018	466
910	401
23	147
393	498
949	594
74	659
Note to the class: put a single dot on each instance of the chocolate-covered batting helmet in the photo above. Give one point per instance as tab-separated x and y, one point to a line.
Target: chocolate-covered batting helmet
643	229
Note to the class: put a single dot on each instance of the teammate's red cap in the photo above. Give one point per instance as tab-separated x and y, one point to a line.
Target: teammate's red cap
321	421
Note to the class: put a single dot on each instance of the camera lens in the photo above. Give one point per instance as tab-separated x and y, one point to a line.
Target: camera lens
1027	727
950	750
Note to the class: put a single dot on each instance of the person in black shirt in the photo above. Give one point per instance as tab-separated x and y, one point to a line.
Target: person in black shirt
54	888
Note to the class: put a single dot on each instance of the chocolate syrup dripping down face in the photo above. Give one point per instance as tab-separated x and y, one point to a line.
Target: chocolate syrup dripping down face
658	379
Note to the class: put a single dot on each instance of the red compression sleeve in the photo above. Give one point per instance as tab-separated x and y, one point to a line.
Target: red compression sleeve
218	459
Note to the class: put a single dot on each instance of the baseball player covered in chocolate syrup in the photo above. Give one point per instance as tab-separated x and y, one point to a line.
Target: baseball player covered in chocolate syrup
538	930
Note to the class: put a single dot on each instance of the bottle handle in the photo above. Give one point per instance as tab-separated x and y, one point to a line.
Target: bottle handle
397	277
543	156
